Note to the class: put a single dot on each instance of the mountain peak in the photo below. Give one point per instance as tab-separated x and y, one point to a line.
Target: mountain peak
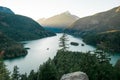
118	9
6	10
67	13
61	20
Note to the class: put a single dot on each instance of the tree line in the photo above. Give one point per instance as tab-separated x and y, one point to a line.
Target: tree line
107	41
97	66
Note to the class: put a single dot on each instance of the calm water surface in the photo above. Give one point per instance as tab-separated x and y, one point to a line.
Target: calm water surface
41	49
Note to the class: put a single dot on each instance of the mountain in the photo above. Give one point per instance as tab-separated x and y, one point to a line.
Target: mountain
62	20
14	28
20	28
100	22
10	48
94	28
6	10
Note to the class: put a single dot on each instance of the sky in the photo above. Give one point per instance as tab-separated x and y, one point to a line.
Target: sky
37	9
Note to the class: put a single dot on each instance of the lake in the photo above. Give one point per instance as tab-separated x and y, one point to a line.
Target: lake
42	49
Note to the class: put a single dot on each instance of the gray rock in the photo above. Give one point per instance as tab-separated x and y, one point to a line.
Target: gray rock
75	76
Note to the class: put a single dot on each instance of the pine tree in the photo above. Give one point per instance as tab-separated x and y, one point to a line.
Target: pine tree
4	73
48	71
24	76
15	75
63	42
32	75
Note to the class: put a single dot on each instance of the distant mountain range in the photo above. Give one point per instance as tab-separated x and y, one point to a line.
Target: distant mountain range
62	20
101	29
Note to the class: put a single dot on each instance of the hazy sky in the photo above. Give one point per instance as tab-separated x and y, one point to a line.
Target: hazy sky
46	8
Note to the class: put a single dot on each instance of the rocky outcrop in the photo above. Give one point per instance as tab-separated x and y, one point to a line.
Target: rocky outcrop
75	76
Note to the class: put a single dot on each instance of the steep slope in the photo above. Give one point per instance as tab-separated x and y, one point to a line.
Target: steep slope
9	48
21	28
101	30
108	41
62	20
101	22
17	28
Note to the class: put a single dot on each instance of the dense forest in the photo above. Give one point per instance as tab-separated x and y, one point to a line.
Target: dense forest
107	41
10	48
21	28
96	67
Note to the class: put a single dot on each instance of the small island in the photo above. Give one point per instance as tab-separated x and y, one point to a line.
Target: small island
27	48
82	45
74	43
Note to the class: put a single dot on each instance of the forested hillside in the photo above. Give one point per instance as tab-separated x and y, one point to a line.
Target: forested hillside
14	28
108	41
99	29
10	49
21	28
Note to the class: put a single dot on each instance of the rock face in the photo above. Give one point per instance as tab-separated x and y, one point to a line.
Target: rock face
75	76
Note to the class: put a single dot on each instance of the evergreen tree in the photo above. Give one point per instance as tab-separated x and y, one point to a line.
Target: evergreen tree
32	75
15	75
24	76
63	42
48	71
117	68
4	73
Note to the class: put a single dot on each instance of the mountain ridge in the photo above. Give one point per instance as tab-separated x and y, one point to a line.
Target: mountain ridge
100	22
21	28
100	30
62	20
